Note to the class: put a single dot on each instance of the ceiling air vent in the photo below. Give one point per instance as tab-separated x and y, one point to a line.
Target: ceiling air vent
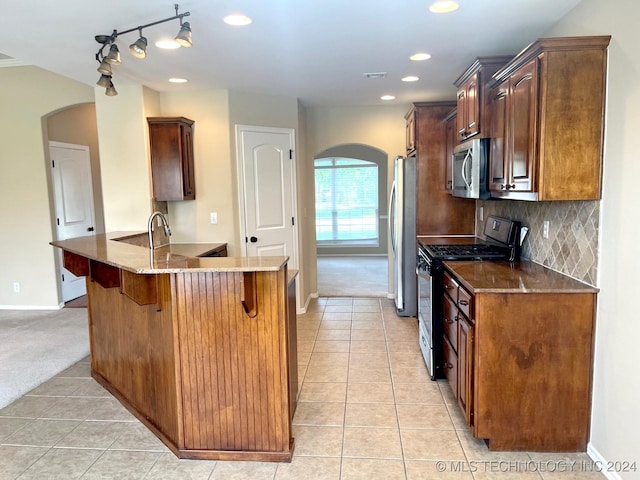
375	75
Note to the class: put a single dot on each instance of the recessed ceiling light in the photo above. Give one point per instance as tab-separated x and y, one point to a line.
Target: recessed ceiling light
410	78
387	97
444	6
167	44
237	20
178	80
418	57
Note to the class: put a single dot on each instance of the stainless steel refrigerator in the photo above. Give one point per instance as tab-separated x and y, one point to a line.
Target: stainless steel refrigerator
402	228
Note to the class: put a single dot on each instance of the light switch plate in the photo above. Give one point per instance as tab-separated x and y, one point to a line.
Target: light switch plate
214	218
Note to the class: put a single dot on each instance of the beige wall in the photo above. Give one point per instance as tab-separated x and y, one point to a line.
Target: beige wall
189	219
615	429
124	156
380	127
27	96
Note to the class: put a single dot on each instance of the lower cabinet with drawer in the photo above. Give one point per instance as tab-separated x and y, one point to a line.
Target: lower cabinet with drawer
458	343
520	364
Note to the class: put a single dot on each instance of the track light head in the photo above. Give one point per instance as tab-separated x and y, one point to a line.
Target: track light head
184	35
139	48
111	90
104	81
114	55
105	67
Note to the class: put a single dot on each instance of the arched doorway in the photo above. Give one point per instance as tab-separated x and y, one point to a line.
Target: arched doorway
72	129
351	220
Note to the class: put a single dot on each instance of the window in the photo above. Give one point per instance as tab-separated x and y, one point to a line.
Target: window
346	202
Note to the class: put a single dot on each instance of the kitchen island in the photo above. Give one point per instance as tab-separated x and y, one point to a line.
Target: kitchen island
201	350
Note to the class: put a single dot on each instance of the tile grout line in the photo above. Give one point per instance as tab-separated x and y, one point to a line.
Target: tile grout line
393	391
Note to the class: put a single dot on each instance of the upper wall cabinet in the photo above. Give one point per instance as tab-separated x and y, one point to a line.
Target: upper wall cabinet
437	211
547	121
450	124
410	118
471	103
172	158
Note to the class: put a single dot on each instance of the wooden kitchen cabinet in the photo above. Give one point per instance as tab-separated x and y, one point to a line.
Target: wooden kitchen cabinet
547	121
437	212
497	153
451	142
472	115
411	131
172	169
458	343
465	368
522	369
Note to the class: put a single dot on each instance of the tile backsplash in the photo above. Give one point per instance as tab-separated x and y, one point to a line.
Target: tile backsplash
572	246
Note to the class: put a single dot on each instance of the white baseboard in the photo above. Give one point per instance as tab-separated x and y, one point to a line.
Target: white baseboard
391	295
31	307
597	457
302	310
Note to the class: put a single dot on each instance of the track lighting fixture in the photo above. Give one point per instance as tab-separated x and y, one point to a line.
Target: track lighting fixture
104	81
138	48
111	90
105	67
184	35
114	55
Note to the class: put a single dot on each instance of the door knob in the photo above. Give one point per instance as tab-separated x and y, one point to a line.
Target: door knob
253	239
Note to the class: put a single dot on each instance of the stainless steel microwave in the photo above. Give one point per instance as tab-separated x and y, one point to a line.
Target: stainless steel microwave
469	165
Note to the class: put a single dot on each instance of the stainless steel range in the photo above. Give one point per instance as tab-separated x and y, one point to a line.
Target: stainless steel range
503	239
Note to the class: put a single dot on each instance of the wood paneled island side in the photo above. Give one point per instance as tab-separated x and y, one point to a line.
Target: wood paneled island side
201	350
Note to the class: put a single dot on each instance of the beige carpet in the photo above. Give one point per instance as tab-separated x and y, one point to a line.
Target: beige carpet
36	345
362	276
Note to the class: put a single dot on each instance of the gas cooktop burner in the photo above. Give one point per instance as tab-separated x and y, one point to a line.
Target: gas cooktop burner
461	252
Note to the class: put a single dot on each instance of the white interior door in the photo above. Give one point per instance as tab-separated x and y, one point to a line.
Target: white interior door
267	189
73	199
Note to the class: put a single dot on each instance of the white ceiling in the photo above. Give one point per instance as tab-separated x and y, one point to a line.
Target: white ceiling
316	50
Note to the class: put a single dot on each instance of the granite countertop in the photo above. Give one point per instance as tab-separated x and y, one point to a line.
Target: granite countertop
115	249
517	277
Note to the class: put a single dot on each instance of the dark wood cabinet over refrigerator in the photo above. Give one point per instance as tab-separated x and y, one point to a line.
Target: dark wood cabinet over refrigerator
437	212
172	172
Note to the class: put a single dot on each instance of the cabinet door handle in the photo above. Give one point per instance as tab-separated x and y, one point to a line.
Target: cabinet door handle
503	187
253	239
463	302
448	320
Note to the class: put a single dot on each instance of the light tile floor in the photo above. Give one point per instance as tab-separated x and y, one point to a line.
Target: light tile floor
367	410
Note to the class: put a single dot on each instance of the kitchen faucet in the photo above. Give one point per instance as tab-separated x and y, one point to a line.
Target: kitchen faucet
165	225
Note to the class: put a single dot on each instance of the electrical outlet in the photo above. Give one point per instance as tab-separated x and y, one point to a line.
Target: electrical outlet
214	218
16	287
545	229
